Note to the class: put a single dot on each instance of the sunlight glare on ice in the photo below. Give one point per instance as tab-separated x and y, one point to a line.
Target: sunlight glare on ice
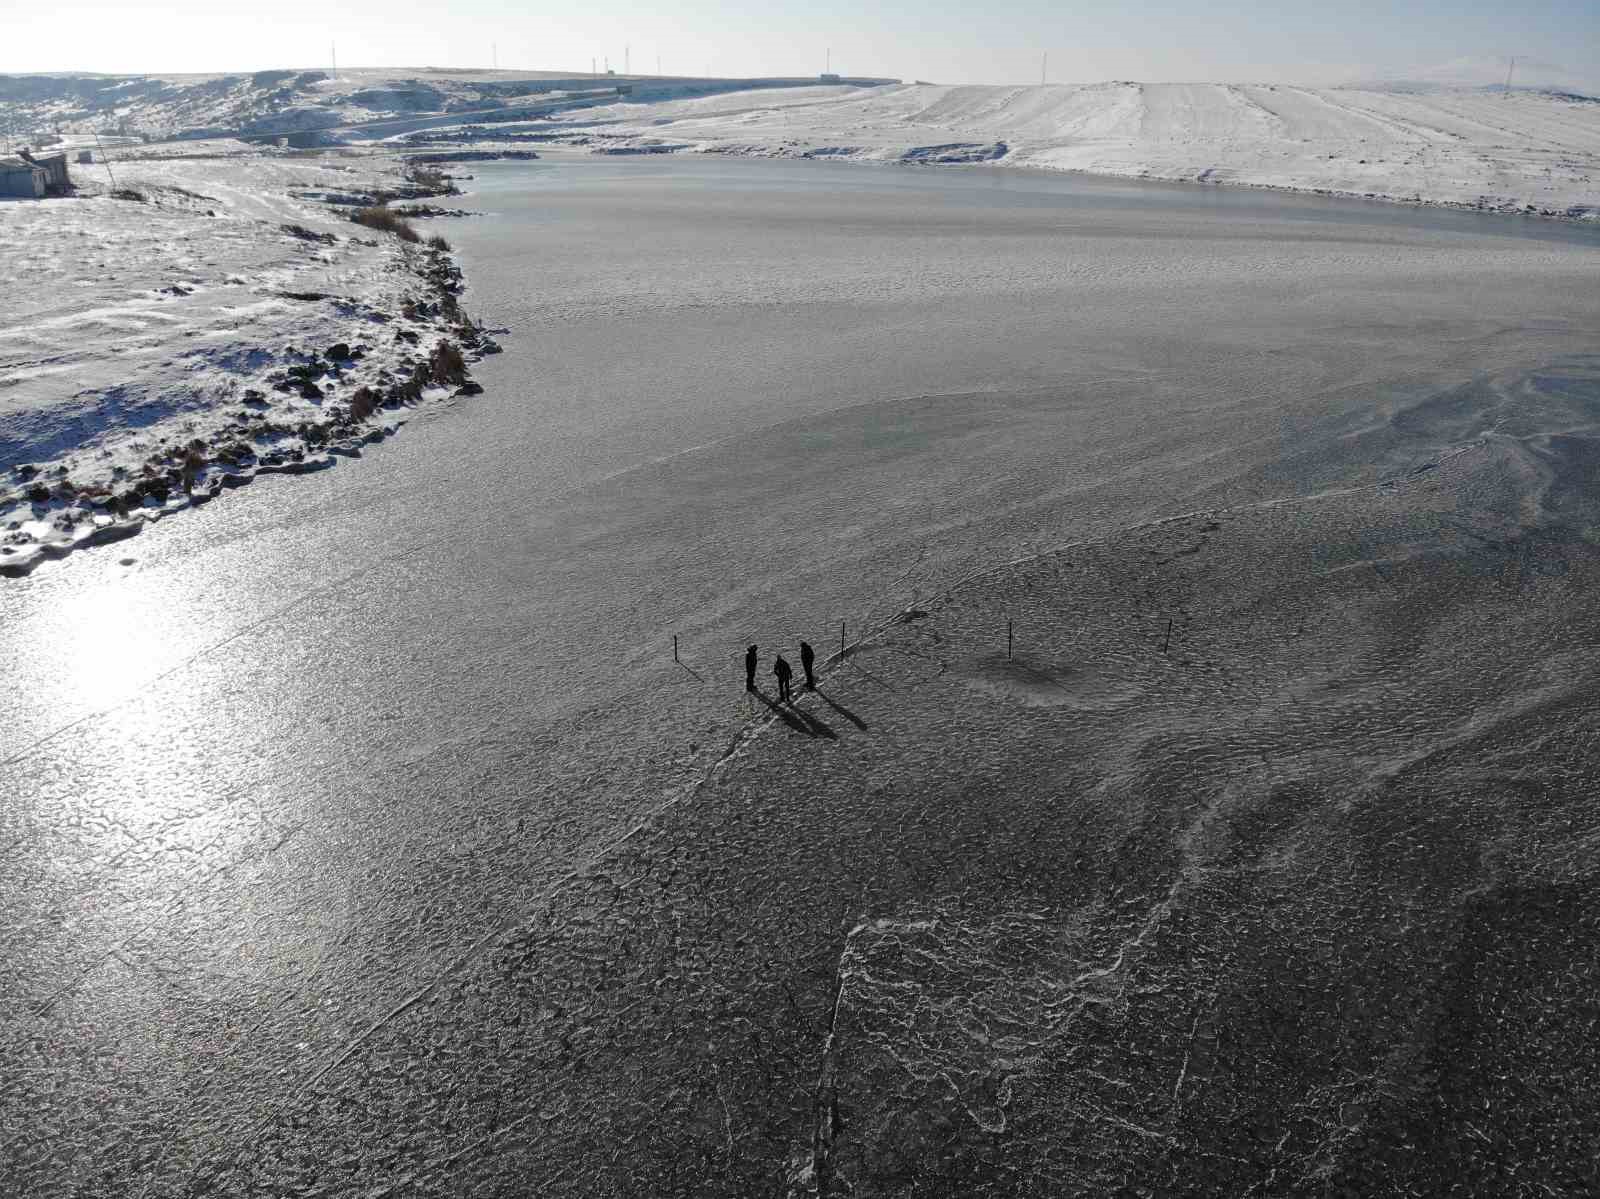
108	646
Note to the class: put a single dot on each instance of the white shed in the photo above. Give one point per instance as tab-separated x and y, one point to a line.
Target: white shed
21	178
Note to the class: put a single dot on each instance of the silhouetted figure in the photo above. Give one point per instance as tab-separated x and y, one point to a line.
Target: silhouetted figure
750	669
784	673
807	657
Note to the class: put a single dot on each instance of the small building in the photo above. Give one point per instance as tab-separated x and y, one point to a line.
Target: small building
56	182
85	157
828	77
21	178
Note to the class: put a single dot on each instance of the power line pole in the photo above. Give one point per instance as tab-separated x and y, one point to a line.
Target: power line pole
494	54
333	52
592	71
1043	59
627	59
1512	66
105	159
658	64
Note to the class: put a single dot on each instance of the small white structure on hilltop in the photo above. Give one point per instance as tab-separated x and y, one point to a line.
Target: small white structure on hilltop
20	178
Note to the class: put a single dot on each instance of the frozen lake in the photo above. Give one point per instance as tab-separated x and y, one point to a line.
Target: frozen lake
330	743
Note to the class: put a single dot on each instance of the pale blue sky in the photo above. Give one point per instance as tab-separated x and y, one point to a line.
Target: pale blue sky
954	41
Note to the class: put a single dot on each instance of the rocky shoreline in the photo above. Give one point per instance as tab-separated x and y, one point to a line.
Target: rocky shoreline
314	406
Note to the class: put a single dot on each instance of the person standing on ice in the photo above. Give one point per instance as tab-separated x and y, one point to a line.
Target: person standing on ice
750	669
807	657
784	673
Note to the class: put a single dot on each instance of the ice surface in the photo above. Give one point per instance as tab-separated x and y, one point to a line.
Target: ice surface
363	834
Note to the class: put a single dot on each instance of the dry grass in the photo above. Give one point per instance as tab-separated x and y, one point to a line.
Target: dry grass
363	403
438	243
447	365
428	178
388	222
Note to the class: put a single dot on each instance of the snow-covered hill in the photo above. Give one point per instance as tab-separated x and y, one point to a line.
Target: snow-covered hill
1527	151
33	106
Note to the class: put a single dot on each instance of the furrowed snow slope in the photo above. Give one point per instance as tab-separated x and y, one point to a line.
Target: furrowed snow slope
1527	151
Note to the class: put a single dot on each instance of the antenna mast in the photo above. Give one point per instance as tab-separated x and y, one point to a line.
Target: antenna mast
1512	66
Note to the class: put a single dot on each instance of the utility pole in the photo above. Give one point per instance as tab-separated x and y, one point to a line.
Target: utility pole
333	52
105	159
658	64
627	59
827	67
1043	59
592	71
1512	66
494	54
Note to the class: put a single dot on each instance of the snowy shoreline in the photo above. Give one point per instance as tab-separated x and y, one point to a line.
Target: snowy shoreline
211	318
1581	214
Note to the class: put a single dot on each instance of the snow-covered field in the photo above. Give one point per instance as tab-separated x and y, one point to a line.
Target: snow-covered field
1527	151
181	323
